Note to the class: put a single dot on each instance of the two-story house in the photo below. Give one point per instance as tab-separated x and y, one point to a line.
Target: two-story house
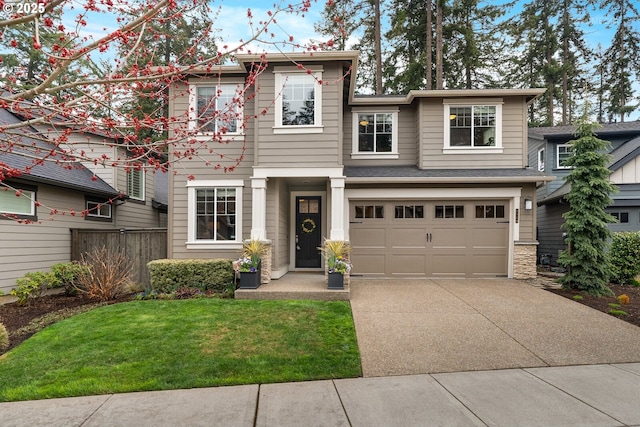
51	198
428	184
549	148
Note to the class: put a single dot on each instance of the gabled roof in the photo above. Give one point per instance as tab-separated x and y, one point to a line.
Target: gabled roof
414	174
72	176
624	154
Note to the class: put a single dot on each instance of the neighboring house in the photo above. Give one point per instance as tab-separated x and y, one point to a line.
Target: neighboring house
47	239
428	184
548	149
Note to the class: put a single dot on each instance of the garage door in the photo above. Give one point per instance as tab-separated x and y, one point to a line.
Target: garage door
430	238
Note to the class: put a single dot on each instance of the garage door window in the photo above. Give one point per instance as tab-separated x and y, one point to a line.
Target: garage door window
369	211
449	211
409	211
489	211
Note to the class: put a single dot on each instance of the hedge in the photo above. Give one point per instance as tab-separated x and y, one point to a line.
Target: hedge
624	257
167	275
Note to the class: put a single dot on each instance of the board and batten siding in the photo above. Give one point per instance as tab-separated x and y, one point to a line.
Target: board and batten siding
627	174
36	247
514	133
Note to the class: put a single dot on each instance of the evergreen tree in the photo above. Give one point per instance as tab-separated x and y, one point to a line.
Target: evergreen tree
623	56
586	222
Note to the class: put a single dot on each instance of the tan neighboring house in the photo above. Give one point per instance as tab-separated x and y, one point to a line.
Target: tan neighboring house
428	184
139	201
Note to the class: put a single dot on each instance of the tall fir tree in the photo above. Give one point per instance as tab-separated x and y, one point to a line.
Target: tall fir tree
586	222
622	56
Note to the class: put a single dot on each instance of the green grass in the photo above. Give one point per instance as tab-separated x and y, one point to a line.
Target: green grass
159	345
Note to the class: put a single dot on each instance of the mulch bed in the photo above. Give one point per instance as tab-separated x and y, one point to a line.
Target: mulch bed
632	309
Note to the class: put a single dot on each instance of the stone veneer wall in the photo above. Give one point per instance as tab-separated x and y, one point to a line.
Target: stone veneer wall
265	261
524	260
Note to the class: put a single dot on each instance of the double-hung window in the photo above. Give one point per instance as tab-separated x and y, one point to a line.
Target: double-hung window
216	109
18	203
541	160
215	213
298	106
375	135
564	151
473	127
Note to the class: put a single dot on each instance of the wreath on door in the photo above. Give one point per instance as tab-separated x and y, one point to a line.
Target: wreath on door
308	225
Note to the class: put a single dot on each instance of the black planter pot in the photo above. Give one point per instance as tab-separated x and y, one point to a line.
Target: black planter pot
336	281
249	280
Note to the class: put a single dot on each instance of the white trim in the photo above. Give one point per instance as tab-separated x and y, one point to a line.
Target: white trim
282	172
27	194
513	194
192	241
448	149
558	166
355	136
193	108
280	83
292	225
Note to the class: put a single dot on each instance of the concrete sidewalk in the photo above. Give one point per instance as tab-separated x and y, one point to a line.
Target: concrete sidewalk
592	395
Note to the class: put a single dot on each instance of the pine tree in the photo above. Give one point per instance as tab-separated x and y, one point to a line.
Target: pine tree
586	222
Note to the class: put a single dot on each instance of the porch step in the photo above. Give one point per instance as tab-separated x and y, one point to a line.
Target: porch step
296	286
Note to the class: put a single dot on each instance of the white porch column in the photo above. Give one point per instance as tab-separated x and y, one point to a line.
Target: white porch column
259	209
337	209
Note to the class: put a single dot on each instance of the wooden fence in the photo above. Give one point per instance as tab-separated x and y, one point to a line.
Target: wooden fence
140	246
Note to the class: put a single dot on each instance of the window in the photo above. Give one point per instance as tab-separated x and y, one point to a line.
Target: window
215	213
475	127
135	184
409	211
216	109
541	160
98	210
564	152
299	104
369	211
489	211
375	135
449	211
621	217
18	203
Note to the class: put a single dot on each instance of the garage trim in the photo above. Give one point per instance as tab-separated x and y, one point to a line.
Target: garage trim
513	194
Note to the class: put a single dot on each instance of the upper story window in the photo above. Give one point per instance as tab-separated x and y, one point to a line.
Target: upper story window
215	214
541	160
473	127
564	152
298	107
375	135
135	184
20	204
216	109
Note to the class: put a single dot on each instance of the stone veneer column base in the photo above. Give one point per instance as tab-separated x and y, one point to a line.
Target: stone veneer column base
524	260
265	261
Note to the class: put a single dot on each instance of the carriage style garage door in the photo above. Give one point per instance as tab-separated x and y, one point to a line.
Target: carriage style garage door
430	238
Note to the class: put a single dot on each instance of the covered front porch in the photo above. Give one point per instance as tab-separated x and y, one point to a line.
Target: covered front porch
296	286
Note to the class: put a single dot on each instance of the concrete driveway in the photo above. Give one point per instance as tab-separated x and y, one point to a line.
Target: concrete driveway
423	326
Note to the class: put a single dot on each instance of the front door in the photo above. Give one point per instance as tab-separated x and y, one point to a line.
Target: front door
308	231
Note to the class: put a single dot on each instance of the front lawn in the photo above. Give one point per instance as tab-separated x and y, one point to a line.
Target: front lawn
159	345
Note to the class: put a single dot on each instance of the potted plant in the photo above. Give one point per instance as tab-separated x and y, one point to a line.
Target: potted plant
248	265
336	254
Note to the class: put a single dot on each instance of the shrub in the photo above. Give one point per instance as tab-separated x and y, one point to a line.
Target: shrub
65	275
31	286
624	256
4	338
105	275
623	299
167	275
